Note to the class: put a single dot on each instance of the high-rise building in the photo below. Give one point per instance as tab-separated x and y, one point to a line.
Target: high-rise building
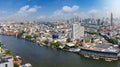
77	31
111	20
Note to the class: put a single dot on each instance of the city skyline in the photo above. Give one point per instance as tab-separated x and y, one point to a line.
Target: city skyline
17	10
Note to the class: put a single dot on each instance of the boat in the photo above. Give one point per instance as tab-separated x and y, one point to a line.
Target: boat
108	59
18	57
115	59
41	45
26	65
96	57
87	56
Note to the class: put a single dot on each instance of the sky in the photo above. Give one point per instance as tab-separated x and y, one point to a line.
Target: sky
23	10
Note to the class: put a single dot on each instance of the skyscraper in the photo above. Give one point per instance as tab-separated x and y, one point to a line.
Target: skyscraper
77	31
111	20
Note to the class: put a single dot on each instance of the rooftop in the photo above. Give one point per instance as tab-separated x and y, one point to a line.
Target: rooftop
104	47
4	59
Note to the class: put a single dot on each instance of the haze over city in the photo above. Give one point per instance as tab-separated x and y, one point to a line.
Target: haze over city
25	10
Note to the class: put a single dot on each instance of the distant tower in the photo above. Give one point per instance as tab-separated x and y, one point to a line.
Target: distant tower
68	21
111	20
98	22
80	20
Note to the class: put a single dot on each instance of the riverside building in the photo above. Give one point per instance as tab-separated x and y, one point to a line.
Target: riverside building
104	51
6	61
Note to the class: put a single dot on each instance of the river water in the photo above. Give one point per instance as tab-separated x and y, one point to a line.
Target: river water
40	56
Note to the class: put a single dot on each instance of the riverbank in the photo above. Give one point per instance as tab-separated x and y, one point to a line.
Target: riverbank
68	50
16	60
107	56
56	45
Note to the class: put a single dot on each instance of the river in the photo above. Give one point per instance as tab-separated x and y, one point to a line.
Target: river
40	56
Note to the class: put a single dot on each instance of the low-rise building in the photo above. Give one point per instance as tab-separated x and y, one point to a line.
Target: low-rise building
6	61
101	50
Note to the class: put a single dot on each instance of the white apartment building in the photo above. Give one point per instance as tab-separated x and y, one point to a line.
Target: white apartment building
6	61
77	31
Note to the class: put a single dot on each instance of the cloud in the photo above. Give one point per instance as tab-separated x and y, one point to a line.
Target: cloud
93	11
64	13
23	9
28	9
42	17
66	10
34	9
23	14
58	12
70	9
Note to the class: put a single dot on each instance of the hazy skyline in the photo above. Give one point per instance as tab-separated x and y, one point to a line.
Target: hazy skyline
18	10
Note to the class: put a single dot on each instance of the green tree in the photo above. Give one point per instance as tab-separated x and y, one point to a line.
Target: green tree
52	43
16	65
0	44
8	52
68	40
28	37
66	47
77	44
35	36
46	41
56	44
96	33
114	41
110	40
92	40
20	34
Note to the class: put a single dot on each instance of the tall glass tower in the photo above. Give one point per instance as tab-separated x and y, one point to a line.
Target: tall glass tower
112	21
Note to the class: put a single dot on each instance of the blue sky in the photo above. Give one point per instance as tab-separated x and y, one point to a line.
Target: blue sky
27	9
